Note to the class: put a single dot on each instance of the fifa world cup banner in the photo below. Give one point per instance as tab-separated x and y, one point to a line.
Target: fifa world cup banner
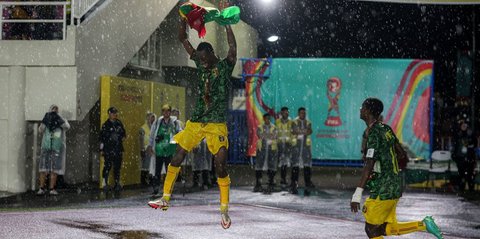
332	91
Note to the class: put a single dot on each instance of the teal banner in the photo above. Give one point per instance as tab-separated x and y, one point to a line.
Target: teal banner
332	91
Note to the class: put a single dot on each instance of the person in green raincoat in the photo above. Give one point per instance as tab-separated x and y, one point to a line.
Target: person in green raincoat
161	142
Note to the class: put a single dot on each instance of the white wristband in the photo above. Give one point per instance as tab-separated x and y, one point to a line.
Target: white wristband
101	146
357	196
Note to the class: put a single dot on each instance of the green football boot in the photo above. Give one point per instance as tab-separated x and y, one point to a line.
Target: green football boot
432	227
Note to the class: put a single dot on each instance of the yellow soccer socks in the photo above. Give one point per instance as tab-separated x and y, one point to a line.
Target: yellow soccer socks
401	228
224	187
172	173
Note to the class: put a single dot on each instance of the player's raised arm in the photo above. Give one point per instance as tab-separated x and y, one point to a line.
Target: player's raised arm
232	46
182	36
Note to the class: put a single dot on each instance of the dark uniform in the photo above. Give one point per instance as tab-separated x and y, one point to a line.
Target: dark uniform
464	156
111	137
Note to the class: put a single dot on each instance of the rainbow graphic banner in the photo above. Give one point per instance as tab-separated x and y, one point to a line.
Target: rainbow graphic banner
254	73
332	91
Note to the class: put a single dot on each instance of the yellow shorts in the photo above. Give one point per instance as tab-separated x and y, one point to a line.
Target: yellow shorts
377	212
194	132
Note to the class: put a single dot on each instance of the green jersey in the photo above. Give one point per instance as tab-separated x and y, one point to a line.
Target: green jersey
214	88
163	141
385	180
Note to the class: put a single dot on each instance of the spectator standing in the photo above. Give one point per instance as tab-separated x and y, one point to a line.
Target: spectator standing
43	30
285	146
161	143
112	135
53	149
464	156
266	154
20	30
176	116
144	138
302	129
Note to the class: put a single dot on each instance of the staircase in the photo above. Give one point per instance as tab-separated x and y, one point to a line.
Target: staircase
35	74
108	40
99	41
103	43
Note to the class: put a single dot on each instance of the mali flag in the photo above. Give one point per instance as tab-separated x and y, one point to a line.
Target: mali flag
197	16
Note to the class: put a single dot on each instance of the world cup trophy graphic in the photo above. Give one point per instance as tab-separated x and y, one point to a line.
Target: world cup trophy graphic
334	85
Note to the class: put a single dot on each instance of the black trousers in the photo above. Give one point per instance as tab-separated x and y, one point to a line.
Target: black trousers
115	160
159	162
466	172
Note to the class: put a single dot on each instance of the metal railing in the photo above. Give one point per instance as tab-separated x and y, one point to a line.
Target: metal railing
149	55
28	19
74	11
81	7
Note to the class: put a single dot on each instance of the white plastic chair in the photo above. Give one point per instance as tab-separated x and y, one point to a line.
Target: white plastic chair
439	157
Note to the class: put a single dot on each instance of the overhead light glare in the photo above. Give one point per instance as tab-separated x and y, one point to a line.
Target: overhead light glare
272	38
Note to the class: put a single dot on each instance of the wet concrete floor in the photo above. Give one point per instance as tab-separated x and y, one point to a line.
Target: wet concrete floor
322	214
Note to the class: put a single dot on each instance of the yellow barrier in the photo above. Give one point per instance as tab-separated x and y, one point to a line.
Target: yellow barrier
133	99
